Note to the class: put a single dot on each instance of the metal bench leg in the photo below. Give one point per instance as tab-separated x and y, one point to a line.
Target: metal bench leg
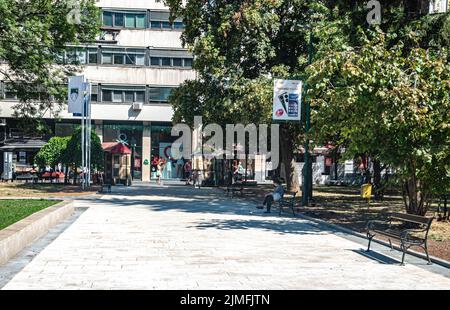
390	243
426	251
404	249
293	211
370	240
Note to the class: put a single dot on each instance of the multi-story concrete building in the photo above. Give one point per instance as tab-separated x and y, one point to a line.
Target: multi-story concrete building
135	63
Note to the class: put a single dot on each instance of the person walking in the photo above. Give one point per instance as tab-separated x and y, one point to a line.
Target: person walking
188	172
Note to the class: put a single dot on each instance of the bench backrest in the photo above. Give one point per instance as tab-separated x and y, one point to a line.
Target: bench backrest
291	194
412	218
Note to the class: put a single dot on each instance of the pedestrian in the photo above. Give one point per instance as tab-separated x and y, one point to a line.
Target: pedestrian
158	172
188	172
276	195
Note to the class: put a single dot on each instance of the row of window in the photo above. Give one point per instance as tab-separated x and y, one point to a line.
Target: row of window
134	57
142	94
140	20
111	94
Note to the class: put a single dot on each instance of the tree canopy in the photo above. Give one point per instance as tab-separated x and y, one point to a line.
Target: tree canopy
32	36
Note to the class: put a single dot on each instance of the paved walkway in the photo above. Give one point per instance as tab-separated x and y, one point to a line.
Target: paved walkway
174	237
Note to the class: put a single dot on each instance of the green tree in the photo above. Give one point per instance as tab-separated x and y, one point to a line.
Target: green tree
72	154
393	103
52	152
33	34
239	46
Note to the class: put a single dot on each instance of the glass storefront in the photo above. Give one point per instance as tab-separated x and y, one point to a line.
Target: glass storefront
161	141
131	135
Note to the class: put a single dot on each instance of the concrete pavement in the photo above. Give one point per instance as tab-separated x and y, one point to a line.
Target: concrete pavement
175	237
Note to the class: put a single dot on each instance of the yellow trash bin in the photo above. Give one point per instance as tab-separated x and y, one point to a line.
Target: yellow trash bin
366	191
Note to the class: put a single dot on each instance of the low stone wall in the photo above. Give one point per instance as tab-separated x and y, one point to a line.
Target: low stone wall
17	236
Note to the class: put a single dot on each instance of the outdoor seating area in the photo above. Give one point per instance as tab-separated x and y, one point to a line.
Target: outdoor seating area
402	232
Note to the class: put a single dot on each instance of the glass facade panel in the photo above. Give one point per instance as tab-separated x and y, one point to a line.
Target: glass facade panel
177	62
161	141
188	62
92	56
117	96
140	21
118	59
165	61
140	96
107	59
107	19
140	60
155	24
118	20
130	21
107	95
155	61
129	96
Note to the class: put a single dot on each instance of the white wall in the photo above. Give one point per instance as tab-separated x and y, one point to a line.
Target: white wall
137	75
113	111
149	37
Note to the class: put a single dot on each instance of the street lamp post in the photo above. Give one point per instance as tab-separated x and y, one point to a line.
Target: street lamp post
307	171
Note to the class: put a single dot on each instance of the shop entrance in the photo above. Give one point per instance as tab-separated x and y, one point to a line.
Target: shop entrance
161	152
129	135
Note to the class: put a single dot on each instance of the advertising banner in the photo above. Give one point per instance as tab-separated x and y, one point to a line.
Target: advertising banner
287	98
76	94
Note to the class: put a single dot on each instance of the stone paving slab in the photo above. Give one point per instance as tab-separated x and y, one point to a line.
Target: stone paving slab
172	237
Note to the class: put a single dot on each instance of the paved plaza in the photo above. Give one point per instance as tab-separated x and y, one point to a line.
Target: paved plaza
175	237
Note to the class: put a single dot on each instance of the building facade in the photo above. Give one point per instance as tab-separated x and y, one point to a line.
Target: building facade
133	66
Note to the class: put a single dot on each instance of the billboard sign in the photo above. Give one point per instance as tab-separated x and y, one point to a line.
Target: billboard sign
287	98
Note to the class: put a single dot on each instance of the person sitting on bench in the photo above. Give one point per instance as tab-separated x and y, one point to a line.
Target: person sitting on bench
276	195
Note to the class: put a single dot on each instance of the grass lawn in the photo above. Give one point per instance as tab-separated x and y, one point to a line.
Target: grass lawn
12	211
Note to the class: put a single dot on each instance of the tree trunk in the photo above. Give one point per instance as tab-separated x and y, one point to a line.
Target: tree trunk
287	157
378	192
416	200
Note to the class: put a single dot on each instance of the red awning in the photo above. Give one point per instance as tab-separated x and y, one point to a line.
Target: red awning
115	148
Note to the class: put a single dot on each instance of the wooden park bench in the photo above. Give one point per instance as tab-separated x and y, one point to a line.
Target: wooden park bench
287	201
408	237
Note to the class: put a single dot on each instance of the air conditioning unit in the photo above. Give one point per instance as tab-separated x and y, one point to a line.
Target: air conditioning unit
137	106
2	121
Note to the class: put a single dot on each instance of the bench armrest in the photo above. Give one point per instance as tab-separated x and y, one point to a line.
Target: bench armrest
371	224
405	234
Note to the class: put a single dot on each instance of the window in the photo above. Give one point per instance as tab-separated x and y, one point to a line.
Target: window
124	94
166	25
165	61
140	96
177	62
92	56
119	59
107	95
155	24
140	60
124	20
178	25
130	21
117	96
155	61
75	56
140	21
129	96
188	62
107	19
159	94
118	20
107	59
